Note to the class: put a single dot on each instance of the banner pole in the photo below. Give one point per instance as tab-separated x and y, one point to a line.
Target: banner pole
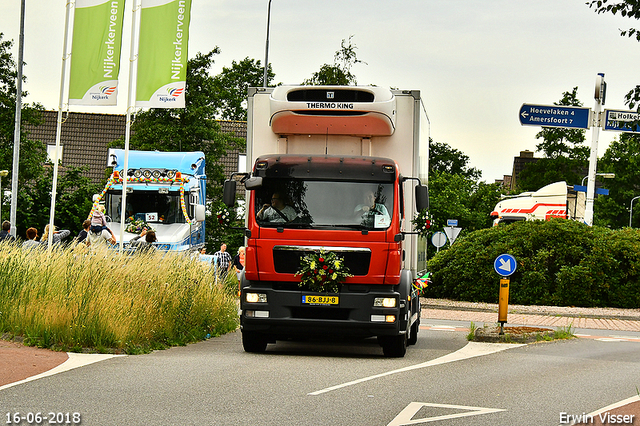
133	54
54	187
18	123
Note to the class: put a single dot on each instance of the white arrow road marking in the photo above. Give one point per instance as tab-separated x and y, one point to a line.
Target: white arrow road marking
471	350
406	416
505	264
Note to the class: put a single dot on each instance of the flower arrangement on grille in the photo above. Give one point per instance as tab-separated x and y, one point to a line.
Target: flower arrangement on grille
323	272
136	226
422	223
224	217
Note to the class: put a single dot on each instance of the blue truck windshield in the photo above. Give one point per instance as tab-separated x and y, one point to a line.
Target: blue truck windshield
319	204
149	206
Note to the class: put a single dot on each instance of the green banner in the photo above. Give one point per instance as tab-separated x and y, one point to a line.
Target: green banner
162	53
95	52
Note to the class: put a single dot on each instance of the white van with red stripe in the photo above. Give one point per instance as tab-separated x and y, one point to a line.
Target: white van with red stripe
543	204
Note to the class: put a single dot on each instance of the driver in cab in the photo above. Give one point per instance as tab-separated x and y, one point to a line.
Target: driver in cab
277	211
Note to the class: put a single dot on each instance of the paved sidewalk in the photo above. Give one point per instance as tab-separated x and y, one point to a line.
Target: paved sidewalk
543	316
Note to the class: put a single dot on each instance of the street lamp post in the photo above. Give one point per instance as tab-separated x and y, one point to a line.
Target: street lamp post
604	175
631	211
3	174
266	49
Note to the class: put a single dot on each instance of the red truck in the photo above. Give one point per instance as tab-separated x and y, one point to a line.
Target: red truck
334	169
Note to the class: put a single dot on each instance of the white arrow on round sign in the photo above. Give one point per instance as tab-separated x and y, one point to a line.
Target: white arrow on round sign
505	265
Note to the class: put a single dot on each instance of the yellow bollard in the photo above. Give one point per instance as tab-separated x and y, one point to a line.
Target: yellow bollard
503	305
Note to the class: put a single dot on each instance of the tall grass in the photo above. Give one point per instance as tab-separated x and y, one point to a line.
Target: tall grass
74	299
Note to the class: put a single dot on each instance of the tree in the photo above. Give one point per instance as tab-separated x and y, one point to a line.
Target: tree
193	128
565	158
444	159
455	192
628	9
232	84
622	158
35	177
340	72
32	154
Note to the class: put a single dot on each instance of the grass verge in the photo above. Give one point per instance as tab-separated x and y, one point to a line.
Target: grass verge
102	301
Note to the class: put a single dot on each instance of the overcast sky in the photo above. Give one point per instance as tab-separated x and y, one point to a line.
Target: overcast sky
475	62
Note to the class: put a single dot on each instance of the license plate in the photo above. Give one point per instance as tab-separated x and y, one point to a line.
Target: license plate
320	300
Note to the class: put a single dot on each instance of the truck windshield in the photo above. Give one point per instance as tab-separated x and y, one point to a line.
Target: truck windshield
149	206
317	204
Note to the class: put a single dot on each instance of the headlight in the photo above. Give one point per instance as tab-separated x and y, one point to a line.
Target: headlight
384	302
256	298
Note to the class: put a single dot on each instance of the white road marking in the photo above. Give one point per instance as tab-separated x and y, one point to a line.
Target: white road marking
75	361
406	416
471	350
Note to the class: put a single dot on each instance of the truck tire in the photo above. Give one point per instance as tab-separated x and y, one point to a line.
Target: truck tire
395	346
254	342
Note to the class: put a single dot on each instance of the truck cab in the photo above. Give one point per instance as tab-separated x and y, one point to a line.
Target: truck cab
166	191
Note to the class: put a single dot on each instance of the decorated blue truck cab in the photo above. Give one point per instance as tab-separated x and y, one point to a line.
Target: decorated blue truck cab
166	192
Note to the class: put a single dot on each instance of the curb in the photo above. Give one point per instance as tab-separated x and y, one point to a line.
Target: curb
521	312
524	335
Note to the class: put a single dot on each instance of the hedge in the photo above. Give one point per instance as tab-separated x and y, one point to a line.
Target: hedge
560	262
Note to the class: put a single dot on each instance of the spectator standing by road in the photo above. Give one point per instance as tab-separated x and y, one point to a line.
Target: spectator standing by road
5	233
147	243
238	261
82	235
58	235
223	259
99	222
32	234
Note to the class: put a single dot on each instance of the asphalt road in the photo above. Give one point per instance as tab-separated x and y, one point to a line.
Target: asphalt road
443	379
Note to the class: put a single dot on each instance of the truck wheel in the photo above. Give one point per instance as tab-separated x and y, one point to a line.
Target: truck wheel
413	334
253	342
395	346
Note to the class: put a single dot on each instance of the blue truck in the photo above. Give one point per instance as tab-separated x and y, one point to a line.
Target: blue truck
166	191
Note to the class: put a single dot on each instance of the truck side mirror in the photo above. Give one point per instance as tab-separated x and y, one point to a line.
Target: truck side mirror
253	183
199	212
422	197
229	193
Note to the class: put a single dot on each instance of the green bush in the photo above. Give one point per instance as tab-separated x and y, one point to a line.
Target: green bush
560	262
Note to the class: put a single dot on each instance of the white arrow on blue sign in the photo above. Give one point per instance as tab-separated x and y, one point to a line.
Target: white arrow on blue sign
505	265
555	116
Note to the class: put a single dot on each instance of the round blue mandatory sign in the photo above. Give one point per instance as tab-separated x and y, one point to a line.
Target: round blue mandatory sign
505	265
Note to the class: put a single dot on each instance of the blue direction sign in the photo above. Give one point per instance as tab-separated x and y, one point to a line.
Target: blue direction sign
505	265
555	116
621	121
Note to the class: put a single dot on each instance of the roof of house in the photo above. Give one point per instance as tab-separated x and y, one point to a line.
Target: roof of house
85	138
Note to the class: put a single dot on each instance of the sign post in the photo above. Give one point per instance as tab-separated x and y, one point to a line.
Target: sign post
583	118
452	230
504	265
439	239
599	96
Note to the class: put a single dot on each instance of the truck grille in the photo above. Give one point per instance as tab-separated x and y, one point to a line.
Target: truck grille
287	259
